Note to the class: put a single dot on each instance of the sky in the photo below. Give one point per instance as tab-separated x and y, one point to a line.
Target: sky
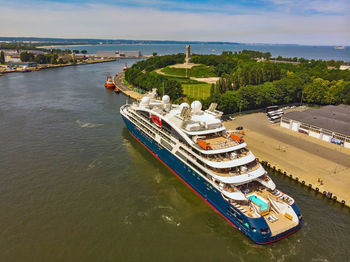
314	22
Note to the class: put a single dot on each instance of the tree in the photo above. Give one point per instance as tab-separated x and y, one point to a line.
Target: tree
154	54
223	84
83	51
229	102
53	59
2	57
41	59
76	51
315	92
27	56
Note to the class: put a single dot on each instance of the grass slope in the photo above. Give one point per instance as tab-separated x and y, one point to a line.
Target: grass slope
195	71
197	91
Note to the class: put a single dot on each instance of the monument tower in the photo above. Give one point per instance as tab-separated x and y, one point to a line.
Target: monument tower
188	54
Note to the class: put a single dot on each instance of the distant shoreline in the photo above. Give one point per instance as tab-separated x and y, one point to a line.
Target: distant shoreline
48	66
69	45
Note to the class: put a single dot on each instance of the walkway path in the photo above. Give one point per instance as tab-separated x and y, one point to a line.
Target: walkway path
118	81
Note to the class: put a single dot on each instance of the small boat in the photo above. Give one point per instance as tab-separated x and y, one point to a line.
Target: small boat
125	67
338	47
109	83
116	89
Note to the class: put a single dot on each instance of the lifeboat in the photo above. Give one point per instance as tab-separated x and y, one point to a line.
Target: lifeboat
109	83
116	89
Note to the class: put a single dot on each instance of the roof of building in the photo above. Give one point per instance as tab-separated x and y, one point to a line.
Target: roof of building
334	118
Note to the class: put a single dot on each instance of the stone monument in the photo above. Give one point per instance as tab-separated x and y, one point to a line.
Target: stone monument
188	54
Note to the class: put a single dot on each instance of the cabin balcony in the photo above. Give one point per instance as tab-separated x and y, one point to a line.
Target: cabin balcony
236	171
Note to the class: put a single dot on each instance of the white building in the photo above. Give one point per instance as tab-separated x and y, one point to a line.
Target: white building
329	123
118	54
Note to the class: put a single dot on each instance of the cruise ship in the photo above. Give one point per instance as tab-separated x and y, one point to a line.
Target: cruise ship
215	163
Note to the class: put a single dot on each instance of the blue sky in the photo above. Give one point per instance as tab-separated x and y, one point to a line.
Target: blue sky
315	22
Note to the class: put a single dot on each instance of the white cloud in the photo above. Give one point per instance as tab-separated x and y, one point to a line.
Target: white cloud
102	21
321	6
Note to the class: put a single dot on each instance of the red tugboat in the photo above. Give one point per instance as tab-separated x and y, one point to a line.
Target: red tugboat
109	83
125	67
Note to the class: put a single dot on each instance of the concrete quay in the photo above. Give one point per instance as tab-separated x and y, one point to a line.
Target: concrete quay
302	158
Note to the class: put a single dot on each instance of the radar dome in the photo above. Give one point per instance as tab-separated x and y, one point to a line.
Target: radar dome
145	100
196	106
184	105
166	99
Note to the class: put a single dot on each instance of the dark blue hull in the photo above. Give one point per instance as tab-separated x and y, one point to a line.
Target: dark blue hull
249	226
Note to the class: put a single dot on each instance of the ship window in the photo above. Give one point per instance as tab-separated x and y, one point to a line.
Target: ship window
254	229
264	230
247	225
169	147
232	211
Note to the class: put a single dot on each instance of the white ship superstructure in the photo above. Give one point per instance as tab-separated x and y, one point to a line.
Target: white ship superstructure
216	163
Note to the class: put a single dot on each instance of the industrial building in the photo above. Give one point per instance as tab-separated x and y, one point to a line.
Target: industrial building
329	123
118	54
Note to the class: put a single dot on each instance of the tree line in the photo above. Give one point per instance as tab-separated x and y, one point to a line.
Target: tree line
140	75
41	58
310	82
246	83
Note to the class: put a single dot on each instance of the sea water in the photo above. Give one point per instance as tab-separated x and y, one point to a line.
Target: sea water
76	186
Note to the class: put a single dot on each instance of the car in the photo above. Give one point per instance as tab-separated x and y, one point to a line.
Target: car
239	128
232	118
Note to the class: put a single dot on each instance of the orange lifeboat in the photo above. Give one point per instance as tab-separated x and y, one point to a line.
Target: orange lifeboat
109	83
204	145
238	139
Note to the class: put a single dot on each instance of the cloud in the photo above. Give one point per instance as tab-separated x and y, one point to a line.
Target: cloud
134	22
340	7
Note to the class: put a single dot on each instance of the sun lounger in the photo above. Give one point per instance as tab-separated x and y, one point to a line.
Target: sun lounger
274	217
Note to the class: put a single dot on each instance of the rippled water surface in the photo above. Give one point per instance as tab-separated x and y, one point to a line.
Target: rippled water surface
76	186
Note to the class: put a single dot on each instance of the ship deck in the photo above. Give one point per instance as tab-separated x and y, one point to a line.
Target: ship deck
250	168
277	222
220	142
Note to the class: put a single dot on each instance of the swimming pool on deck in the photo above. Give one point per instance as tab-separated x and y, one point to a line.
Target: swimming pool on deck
259	201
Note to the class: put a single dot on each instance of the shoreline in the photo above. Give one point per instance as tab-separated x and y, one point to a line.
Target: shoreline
48	66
